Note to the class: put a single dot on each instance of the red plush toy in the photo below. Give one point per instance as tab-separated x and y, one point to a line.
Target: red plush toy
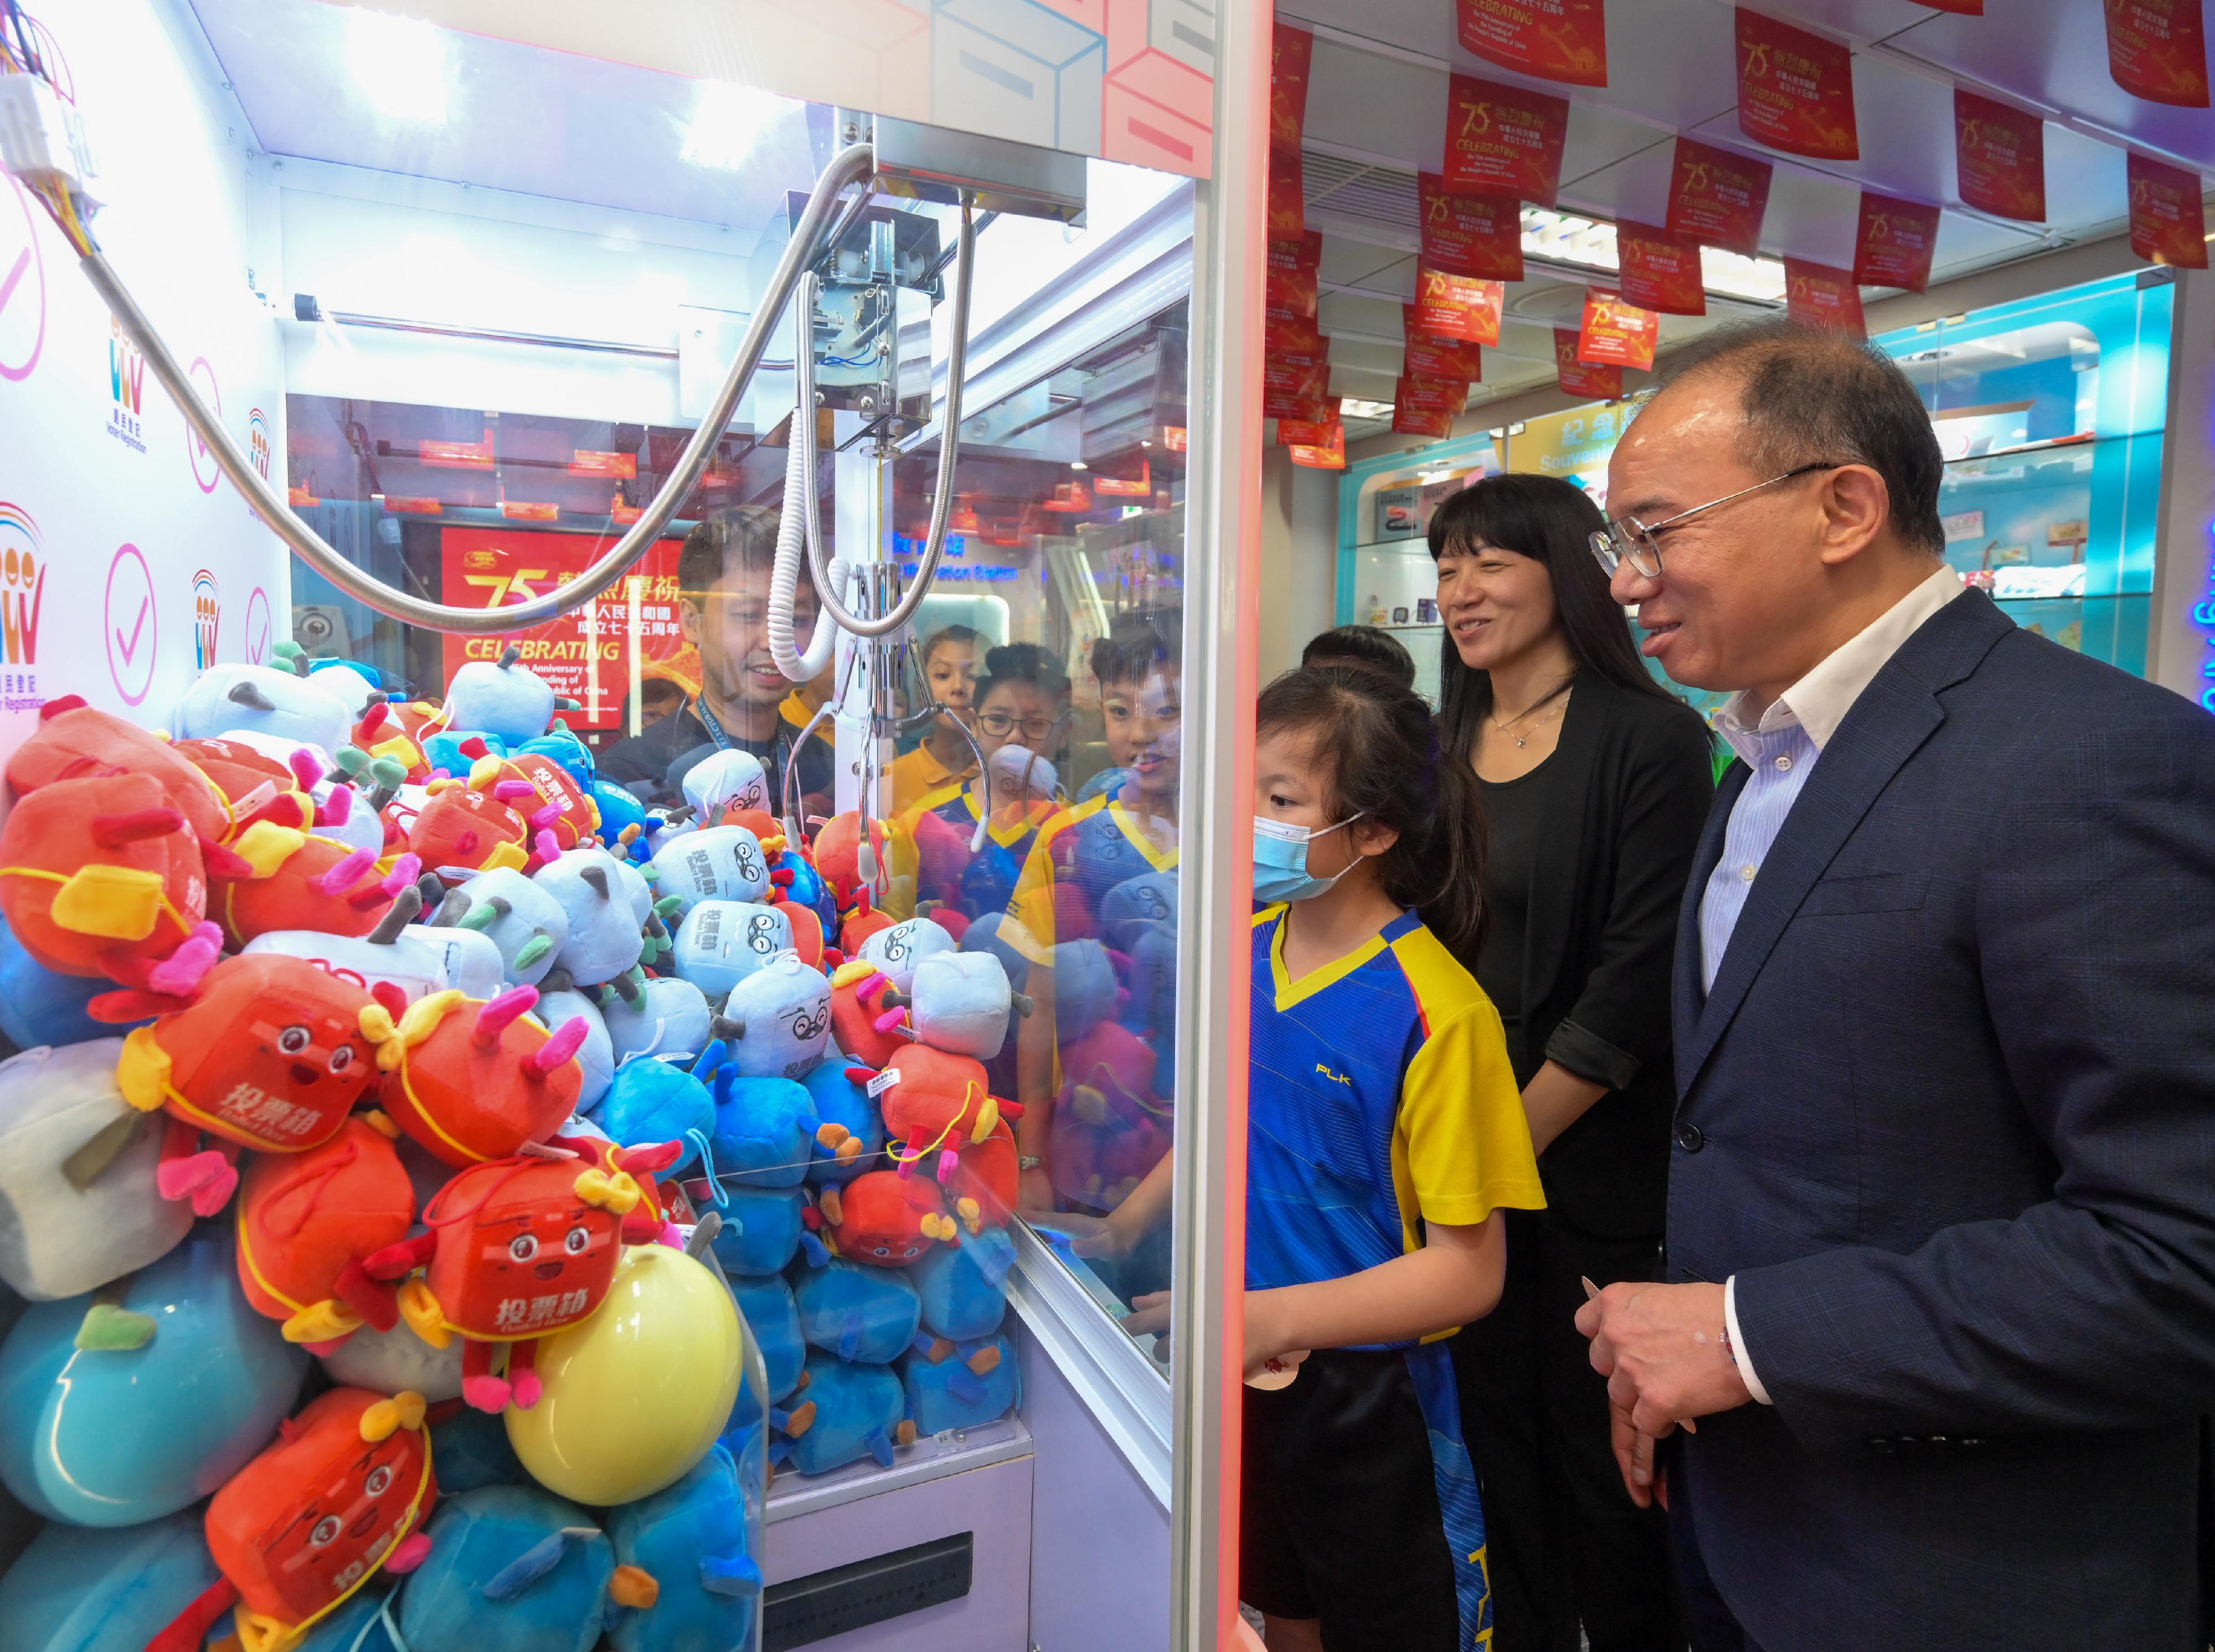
940	1100
386	730
516	1250
837	856
305	1222
807	931
301	1527
473	1080
884	1218
856	1005
74	741
103	875
460	827
980	1180
291	881
270	1052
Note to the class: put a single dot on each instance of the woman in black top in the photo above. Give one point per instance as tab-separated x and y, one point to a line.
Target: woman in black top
1596	782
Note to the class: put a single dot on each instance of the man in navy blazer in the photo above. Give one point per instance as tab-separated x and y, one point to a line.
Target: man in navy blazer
1942	1208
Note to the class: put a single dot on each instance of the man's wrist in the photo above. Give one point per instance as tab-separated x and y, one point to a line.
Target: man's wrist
1735	1344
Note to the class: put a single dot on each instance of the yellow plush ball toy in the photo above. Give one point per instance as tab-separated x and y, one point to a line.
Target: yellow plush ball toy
635	1395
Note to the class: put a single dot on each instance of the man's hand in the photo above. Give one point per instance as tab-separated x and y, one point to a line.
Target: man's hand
1661	1348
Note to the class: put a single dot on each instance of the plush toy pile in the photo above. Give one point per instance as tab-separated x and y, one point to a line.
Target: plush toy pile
369	1051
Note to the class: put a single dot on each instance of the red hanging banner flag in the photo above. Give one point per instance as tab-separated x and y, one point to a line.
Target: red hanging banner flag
1458	364
1717	198
1659	271
2157	50
1555	39
1302	433
1616	334
1291	51
1470	234
2167	222
1795	90
1824	296
1412	421
1290	290
1327	453
1288	210
1411	326
1893	242
1458	307
1430	395
1502	140
1575	377
1296	339
2000	156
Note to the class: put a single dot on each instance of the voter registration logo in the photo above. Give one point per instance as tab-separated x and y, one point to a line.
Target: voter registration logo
207	618
257	441
23	593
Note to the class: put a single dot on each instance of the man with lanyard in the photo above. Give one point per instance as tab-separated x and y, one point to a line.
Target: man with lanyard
723	578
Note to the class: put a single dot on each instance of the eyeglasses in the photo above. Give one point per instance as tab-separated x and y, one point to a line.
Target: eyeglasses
1000	725
1627	540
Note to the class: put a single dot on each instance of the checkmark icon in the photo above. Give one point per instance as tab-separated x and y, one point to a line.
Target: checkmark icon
15	276
137	631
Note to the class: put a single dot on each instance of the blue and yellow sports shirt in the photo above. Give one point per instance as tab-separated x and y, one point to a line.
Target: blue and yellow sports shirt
1381	1097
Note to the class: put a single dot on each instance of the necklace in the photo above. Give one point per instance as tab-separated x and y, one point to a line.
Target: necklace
1506	726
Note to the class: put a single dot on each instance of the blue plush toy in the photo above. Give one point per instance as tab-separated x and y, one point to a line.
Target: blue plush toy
500	698
691	1539
566	749
113	1412
839	1101
670	1017
443	749
785	1008
525	922
774	1319
263	700
964	1287
620	810
512	1569
722	942
367	1623
470	1450
653	1101
596	1056
858	1412
806	888
75	1590
968	1384
1136	906
762	1229
764	1130
1084	988
722	862
867	1316
600	937
984	936
37	1006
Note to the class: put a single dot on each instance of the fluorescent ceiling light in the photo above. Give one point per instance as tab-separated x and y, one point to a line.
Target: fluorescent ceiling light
727	124
1565	238
401	65
1353	406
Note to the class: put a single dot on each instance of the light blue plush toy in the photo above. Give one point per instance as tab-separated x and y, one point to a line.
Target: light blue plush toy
785	1008
364	1622
963	1002
728	779
670	1017
858	1413
762	1229
692	1538
722	942
116	1412
525	922
1085	990
985	935
472	961
774	1320
500	698
655	1100
512	1569
896	950
969	1385
398	1361
600	938
263	700
75	1590
868	1316
964	1287
443	749
596	1055
765	1129
839	1101
722	862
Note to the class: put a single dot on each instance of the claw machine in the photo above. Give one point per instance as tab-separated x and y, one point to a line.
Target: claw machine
628	555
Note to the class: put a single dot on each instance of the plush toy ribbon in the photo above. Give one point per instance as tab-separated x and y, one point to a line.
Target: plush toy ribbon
416	1023
619	1193
116	903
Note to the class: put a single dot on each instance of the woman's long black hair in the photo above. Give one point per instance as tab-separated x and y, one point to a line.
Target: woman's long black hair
1376	742
1550	521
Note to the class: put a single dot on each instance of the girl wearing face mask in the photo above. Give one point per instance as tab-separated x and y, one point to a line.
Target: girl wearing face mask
1596	782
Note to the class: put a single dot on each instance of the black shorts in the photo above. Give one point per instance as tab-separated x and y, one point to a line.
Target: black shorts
1340	1517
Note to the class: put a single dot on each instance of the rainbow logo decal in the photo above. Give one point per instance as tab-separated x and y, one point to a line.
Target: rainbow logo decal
257	441
207	618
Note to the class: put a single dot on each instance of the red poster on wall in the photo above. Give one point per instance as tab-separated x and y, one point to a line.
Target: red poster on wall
2167	222
1458	307
1555	39
583	655
1823	296
1616	334
1456	364
1795	90
2000	155
1717	198
1288	210
1502	140
1659	271
1575	377
1291	50
2157	50
1470	234
1893	242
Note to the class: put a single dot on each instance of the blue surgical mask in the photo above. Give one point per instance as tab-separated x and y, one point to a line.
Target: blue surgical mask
1281	860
